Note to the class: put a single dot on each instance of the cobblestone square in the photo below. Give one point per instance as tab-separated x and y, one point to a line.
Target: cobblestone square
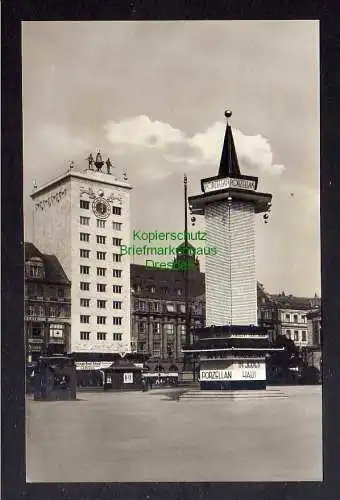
129	437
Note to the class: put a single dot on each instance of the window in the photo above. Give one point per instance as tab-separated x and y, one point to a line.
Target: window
117	226
85	221
84	270
29	310
170	307
141	305
287	317
296	318
101	304
303	319
85	302
157	307
84	318
101	287
116	304
117	288
137	288
151	289
304	336
116	257
179	291
84	236
169	329
36	332
84	253
101	255
116	242
116	210
289	334
101	223
142	327
117	273
164	290
101	239
101	320
181	330
84	286
101	336
101	271
84	335
61	292
156	328
296	336
117	336
116	320
182	308
84	204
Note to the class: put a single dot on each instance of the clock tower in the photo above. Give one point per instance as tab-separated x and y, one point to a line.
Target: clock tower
83	217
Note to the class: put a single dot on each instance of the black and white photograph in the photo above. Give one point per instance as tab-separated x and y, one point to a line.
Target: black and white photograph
173	302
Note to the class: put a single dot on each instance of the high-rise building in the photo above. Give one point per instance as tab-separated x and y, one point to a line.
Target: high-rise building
83	217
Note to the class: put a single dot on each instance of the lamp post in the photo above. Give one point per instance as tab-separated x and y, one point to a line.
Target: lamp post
186	270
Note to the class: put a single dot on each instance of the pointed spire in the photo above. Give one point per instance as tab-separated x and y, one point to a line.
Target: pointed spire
229	166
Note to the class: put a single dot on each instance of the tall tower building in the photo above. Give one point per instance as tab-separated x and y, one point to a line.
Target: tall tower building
83	217
232	348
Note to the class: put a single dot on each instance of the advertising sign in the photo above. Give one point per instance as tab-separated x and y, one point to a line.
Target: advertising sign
128	378
92	365
229	182
236	371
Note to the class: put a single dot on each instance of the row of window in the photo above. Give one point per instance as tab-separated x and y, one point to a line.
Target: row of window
86	205
169	328
296	336
85	221
101	287
101	271
44	290
85	254
152	289
294	318
100	336
101	320
101	304
100	239
142	305
50	312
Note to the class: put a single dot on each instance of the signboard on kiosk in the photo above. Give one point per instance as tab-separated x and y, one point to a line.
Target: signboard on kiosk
227	183
236	371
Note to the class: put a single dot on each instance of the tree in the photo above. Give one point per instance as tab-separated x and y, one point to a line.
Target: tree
280	363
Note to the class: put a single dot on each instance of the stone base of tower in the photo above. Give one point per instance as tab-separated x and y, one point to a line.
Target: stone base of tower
236	385
233	373
231	357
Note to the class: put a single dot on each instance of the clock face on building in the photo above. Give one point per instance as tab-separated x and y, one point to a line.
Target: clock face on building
101	208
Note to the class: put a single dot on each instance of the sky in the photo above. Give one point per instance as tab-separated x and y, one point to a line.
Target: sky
152	95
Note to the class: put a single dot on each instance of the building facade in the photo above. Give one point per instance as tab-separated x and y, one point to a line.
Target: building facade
47	305
158	310
83	217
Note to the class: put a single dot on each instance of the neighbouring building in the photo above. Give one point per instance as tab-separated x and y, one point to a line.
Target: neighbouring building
83	217
47	305
291	317
314	329
158	309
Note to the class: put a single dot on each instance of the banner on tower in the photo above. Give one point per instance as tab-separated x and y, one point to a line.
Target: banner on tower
229	182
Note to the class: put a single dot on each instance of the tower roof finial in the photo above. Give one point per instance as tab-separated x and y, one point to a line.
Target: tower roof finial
229	166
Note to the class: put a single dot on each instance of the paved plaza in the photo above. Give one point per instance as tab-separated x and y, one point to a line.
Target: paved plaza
128	437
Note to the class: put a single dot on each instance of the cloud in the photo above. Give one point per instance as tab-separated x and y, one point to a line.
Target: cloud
141	131
179	150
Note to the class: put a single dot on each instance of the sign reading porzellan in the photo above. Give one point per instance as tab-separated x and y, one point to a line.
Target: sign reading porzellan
229	182
233	374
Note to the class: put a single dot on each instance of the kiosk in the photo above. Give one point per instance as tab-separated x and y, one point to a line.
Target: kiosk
55	379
